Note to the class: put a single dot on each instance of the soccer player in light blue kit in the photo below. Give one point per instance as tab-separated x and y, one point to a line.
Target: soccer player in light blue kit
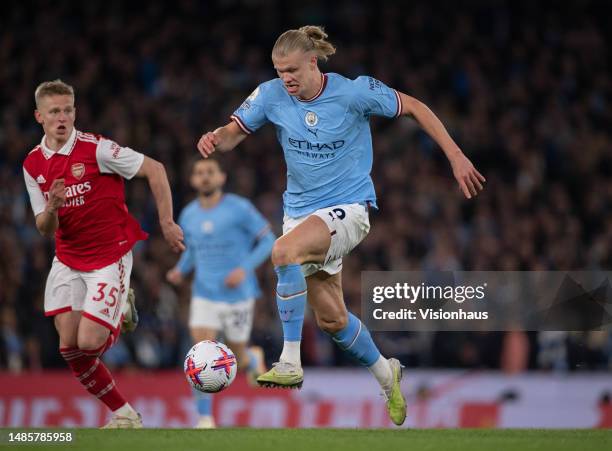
322	124
226	240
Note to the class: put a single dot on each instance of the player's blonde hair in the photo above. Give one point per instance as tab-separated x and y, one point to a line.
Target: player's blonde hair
307	38
52	88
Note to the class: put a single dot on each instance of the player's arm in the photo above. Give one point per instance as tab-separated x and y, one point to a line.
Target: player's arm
186	263
114	159
155	173
259	229
469	179
45	210
222	139
47	221
250	116
262	235
260	252
183	267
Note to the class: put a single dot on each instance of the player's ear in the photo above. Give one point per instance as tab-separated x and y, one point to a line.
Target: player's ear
313	61
38	116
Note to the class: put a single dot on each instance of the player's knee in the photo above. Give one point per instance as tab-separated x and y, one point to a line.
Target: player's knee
332	325
92	342
282	254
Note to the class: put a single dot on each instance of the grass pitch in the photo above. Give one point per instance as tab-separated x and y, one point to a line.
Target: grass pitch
326	439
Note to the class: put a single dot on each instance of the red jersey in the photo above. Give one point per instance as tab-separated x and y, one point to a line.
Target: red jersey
95	228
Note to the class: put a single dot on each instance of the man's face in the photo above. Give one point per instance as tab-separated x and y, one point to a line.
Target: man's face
207	177
56	114
296	70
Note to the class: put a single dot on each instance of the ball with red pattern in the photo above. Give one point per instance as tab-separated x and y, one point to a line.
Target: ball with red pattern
210	366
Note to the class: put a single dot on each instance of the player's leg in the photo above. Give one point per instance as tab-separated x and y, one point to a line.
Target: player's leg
65	297
67	326
319	241
89	369
351	335
98	330
93	337
307	241
257	363
237	326
250	358
199	334
63	292
204	324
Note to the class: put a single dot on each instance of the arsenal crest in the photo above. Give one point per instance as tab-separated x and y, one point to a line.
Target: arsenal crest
78	170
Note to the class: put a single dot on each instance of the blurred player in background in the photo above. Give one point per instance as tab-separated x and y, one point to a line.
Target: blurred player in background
76	188
322	123
226	239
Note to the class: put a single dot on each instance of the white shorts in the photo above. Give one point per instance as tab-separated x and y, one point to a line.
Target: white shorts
99	294
348	225
235	320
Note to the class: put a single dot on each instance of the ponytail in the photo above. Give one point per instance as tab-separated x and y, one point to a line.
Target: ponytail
307	38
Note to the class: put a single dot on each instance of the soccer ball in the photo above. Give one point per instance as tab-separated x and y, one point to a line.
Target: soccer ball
210	366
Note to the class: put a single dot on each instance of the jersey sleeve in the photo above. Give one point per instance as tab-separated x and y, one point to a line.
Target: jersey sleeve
37	199
259	230
186	262
114	159
253	221
251	115
373	97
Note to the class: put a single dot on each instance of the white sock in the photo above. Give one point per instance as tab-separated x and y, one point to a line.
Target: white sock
126	411
291	353
383	373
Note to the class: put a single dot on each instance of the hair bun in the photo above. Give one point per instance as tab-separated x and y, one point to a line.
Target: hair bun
314	32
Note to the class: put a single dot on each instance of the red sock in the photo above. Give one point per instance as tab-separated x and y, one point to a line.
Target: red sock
102	349
93	374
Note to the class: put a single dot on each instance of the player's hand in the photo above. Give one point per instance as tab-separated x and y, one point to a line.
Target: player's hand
235	278
173	235
469	179
57	195
207	144
174	276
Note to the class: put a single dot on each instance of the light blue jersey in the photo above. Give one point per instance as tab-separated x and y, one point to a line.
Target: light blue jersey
229	235
326	140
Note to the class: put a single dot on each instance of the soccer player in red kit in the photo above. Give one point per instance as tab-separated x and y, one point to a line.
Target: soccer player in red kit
75	183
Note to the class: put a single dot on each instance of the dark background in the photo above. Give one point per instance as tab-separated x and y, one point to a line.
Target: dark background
523	87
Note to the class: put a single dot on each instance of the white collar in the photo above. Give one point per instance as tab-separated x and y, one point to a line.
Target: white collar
66	148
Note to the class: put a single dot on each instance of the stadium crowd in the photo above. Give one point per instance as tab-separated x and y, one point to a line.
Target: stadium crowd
523	87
